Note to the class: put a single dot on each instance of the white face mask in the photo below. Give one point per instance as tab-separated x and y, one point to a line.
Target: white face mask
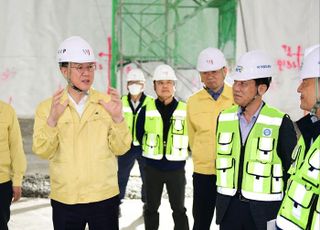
135	89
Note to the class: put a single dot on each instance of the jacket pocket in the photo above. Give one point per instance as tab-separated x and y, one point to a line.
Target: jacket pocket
97	128
60	174
265	149
277	179
151	143
258	177
311	168
179	146
225	143
225	167
299	203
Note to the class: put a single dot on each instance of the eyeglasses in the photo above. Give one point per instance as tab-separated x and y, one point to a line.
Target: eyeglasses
82	68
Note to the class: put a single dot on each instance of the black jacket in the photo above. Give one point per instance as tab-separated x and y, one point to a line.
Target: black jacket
310	130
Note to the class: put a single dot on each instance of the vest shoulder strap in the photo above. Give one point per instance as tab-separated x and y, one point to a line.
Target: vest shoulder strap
296	128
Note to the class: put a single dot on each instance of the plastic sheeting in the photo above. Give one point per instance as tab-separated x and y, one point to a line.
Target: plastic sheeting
32	30
283	28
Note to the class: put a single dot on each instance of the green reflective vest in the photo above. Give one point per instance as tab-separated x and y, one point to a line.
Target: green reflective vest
302	197
131	118
297	156
176	145
262	169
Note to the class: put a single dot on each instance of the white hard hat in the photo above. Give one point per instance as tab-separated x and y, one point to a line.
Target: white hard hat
75	49
135	75
210	59
253	65
164	72
311	63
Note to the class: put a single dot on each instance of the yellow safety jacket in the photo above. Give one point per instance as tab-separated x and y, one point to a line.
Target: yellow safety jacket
82	150
131	118
300	208
13	162
262	169
176	145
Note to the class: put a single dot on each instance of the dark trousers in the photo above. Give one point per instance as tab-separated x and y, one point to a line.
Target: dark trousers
102	215
238	216
125	165
204	200
5	202
175	182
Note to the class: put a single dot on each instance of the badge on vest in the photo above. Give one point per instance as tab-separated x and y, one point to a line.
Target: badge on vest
266	132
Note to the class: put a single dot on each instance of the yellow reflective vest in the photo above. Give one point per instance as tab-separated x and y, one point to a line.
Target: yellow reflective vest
131	118
176	144
300	208
262	169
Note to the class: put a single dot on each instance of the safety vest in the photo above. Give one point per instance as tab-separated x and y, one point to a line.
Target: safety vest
297	156
302	197
262	168
131	118
176	145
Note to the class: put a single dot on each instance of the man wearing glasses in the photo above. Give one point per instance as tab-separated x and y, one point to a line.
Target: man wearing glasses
81	131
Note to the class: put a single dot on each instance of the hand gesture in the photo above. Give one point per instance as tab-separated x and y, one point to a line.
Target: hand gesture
57	108
114	106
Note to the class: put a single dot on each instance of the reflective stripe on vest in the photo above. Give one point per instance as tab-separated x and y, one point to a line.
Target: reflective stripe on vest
315	225
262	169
177	140
132	118
297	156
302	193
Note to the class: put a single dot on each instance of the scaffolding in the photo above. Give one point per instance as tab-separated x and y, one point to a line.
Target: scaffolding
170	31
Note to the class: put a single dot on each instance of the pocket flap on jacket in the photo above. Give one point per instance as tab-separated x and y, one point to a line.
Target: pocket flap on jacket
224	163
225	138
299	194
258	169
314	160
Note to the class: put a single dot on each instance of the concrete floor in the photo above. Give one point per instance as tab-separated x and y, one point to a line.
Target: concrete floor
35	214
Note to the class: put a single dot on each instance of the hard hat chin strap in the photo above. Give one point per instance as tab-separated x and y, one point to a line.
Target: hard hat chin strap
75	87
70	82
316	106
243	108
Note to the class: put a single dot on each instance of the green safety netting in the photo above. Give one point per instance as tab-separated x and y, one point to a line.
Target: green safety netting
170	31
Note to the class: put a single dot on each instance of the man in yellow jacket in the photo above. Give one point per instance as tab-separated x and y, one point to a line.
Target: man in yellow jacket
12	162
203	108
81	131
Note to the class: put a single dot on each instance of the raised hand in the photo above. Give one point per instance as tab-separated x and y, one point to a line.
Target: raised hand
114	106
57	108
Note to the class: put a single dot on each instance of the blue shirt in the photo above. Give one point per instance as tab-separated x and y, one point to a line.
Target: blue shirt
215	95
245	126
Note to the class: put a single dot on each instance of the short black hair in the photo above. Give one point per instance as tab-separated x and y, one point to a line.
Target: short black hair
263	81
63	64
